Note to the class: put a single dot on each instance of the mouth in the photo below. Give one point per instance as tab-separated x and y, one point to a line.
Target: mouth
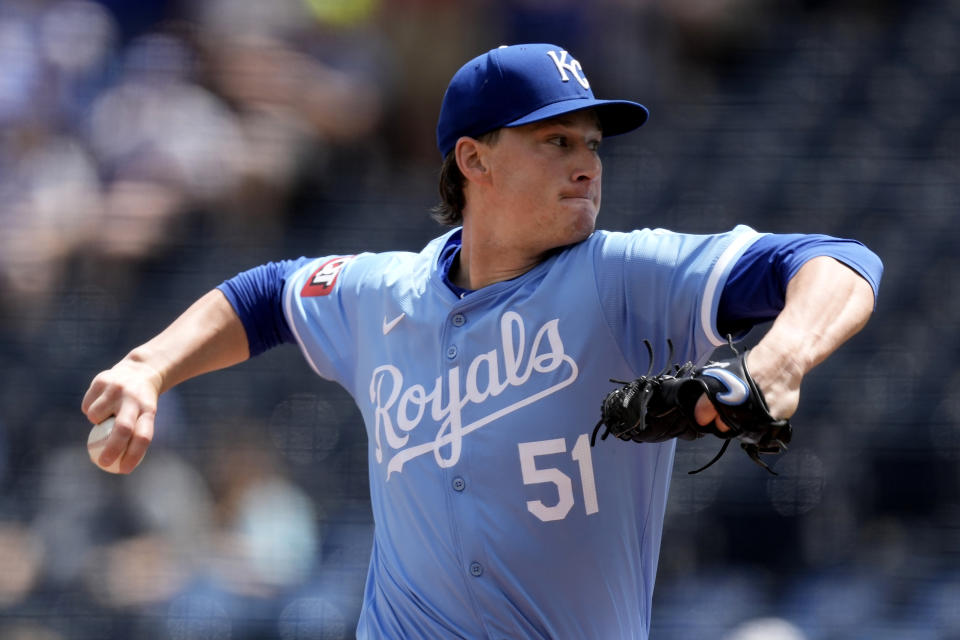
578	196
580	200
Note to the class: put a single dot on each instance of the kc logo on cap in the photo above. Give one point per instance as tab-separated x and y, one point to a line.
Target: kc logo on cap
572	66
515	85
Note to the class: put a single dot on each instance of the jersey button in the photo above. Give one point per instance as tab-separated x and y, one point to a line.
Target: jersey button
459	320
459	484
476	569
452	352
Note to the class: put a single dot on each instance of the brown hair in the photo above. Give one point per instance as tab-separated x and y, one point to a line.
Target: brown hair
449	211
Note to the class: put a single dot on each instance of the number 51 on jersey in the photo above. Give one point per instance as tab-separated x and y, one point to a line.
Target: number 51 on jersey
532	474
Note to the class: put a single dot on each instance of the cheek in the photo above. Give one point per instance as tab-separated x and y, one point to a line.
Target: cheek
522	182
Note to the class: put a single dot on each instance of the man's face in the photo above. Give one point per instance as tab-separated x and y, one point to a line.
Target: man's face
547	178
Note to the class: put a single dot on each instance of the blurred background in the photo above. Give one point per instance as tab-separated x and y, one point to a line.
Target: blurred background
151	149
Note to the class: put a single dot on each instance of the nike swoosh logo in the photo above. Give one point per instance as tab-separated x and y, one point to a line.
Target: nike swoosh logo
388	326
737	391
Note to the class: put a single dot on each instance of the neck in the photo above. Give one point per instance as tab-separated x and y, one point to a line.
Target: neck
485	260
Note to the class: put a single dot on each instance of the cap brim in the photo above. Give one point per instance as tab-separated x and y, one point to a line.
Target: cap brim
616	116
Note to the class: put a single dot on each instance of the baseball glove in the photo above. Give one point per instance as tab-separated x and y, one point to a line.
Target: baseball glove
654	408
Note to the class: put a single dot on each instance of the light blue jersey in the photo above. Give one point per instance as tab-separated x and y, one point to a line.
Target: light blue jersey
494	516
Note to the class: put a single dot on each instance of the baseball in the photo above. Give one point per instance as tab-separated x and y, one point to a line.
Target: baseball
96	442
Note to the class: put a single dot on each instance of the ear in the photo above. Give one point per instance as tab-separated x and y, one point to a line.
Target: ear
472	160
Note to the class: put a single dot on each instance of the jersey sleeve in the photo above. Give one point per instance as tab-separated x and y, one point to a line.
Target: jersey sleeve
256	296
657	285
756	289
318	311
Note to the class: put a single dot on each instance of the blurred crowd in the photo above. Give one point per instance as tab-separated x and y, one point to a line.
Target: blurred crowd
150	150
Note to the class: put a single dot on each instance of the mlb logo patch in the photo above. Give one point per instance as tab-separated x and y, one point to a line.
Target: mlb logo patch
321	281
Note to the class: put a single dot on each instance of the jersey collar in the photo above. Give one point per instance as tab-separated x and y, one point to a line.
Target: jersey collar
447	256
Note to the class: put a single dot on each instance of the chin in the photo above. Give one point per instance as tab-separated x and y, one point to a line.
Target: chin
573	224
581	229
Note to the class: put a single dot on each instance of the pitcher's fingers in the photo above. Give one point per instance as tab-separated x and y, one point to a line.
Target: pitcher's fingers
94	391
100	403
124	424
139	442
704	413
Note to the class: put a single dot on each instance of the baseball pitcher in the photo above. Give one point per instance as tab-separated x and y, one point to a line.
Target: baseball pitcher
482	364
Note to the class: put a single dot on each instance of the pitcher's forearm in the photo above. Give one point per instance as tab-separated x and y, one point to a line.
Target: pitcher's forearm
827	303
206	337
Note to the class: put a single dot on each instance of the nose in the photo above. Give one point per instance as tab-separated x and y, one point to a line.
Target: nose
588	166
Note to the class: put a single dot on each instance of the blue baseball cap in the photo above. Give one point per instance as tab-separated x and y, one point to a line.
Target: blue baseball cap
520	84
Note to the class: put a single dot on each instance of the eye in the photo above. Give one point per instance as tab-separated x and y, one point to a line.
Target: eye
594	145
560	141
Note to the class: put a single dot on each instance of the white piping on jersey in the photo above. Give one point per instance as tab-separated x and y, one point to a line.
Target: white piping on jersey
288	311
712	289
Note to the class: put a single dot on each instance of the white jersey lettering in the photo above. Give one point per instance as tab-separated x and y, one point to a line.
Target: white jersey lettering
397	411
